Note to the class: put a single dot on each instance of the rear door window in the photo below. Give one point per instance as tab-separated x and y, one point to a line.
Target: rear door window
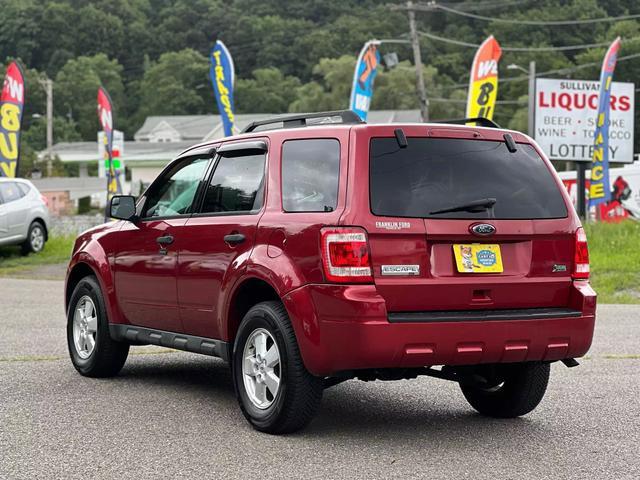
237	185
434	174
310	175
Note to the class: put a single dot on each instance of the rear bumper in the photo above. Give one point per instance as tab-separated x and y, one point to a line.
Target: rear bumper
348	327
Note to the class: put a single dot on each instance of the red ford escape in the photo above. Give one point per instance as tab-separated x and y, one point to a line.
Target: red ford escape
313	249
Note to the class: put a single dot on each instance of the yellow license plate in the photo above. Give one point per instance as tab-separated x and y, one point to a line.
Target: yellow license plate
478	258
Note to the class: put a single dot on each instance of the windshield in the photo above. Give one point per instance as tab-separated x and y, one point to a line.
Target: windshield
434	174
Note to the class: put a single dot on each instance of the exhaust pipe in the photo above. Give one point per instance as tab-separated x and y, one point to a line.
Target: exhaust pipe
570	362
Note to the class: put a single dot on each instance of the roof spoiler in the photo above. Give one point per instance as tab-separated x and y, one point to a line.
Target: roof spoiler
481	121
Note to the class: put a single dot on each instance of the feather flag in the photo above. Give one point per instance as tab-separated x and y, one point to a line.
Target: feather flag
363	77
11	108
483	83
222	76
599	190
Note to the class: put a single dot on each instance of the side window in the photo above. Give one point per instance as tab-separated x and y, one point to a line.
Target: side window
174	193
10	192
237	185
310	175
24	188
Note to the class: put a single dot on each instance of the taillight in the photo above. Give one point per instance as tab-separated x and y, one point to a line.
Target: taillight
345	255
45	200
581	258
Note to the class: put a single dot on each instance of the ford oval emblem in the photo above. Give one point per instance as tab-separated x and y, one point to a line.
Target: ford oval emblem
482	229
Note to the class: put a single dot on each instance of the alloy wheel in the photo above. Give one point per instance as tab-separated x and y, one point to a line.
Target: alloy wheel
261	368
37	239
85	327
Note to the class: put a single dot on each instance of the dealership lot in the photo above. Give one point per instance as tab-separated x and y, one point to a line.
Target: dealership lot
172	413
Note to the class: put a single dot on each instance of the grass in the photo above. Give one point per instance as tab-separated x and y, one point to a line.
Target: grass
56	250
614	250
614	254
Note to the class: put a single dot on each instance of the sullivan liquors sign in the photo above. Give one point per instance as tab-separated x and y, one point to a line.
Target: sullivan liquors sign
565	119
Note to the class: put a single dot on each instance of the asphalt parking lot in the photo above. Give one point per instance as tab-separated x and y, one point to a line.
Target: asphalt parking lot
173	414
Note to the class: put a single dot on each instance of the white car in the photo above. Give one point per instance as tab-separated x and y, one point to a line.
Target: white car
24	216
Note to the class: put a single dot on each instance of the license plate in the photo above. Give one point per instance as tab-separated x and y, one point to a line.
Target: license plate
478	258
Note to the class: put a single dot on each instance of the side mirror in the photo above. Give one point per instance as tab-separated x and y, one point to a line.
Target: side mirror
123	207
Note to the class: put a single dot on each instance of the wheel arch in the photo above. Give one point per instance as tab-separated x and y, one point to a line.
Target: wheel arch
41	221
79	271
92	260
247	293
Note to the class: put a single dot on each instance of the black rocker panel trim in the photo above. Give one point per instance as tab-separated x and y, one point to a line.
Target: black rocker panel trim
179	341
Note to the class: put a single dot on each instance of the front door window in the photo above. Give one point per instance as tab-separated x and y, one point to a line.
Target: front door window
174	195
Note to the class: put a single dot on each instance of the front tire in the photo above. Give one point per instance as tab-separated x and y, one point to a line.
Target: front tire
36	238
518	389
92	351
274	389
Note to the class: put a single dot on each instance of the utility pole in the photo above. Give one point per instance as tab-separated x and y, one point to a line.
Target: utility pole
49	90
532	99
47	85
417	61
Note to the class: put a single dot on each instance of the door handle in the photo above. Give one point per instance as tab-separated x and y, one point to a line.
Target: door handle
234	238
165	240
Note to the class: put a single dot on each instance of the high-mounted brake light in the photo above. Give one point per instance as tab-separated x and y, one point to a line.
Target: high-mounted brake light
581	257
345	255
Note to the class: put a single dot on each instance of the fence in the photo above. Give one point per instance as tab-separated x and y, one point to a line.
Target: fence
73	225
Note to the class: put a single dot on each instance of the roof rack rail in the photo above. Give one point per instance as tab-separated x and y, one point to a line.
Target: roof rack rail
300	120
484	122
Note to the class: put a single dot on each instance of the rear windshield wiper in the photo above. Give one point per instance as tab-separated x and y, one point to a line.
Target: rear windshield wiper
474	206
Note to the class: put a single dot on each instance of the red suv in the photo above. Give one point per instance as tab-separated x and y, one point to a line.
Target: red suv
313	249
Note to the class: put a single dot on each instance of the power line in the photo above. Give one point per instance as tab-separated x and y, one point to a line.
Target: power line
464	102
562	71
531	22
559	71
489	5
518	49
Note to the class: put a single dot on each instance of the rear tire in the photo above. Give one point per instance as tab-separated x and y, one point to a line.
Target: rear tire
520	389
291	404
36	238
92	351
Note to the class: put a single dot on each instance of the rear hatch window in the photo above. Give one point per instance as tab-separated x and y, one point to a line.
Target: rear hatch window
436	174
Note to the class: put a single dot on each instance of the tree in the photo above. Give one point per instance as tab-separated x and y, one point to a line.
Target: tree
19	30
189	24
331	91
98	32
56	39
395	89
269	91
34	139
76	89
64	130
268	41
177	84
